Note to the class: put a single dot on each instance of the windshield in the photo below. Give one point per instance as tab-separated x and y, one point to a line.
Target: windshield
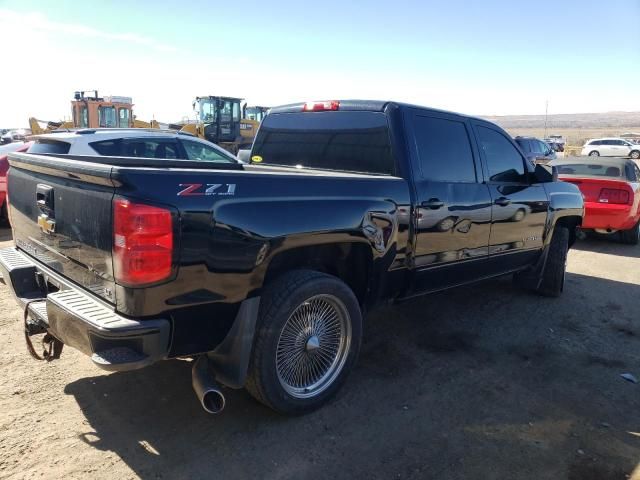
207	110
591	170
347	141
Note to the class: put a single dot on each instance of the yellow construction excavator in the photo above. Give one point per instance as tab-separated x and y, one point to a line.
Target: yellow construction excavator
225	122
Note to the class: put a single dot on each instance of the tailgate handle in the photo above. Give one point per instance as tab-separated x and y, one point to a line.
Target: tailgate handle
44	197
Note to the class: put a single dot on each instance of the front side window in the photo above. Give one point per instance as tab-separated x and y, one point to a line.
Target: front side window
444	150
202	151
123	118
107	117
504	162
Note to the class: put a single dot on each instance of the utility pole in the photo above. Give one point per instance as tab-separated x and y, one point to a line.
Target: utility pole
546	114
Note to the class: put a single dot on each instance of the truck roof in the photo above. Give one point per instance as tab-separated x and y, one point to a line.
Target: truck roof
367	105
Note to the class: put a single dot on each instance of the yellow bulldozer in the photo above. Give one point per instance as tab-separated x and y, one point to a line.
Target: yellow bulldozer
225	121
93	111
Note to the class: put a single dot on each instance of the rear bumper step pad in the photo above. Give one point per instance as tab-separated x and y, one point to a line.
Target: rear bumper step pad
112	341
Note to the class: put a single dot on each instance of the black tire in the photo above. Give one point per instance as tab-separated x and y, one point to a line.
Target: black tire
635	154
631	236
594	153
279	301
553	275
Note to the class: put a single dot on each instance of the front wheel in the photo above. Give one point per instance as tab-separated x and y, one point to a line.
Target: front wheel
595	153
631	236
554	269
307	340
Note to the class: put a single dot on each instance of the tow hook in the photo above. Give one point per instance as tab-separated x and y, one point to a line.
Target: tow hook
52	347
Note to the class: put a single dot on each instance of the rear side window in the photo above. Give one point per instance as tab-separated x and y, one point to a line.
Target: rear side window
595	142
150	148
347	141
444	150
137	147
504	162
49	146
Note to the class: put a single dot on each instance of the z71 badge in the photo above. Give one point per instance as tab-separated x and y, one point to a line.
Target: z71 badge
198	189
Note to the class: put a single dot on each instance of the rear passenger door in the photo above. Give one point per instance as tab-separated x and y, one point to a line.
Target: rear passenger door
452	212
519	208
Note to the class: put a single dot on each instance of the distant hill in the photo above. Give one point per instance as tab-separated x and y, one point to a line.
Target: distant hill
616	120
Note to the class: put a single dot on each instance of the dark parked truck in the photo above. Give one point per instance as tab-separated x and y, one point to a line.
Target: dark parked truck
262	272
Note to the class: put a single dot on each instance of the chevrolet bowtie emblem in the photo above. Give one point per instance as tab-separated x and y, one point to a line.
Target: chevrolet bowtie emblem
46	224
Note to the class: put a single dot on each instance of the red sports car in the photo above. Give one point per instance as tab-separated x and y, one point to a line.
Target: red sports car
611	191
5	150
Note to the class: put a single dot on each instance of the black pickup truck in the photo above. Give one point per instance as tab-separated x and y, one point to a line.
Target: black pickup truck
262	272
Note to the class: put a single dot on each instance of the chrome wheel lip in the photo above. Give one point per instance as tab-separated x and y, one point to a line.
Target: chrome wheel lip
331	370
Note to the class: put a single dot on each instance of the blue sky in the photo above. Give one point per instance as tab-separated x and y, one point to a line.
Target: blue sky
489	57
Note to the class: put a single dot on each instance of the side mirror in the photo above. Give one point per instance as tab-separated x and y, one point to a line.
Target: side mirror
545	174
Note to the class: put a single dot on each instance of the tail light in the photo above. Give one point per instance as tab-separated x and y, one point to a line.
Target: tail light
142	242
321	106
613	195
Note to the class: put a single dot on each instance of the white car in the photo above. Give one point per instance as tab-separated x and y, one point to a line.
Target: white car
611	147
130	142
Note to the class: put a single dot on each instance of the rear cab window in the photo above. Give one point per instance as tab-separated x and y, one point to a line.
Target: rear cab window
350	141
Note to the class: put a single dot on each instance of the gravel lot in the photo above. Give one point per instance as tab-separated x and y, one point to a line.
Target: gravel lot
483	382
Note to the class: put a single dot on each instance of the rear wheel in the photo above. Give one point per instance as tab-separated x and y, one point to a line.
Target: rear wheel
307	340
594	153
554	270
635	154
631	236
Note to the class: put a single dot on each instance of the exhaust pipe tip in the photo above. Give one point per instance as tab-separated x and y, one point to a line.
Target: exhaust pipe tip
206	388
213	401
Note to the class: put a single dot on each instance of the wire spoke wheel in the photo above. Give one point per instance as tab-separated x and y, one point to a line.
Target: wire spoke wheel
313	346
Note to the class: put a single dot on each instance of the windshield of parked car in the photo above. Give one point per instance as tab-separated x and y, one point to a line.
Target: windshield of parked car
608	170
346	141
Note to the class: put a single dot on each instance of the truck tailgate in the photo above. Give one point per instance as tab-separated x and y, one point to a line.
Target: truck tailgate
61	214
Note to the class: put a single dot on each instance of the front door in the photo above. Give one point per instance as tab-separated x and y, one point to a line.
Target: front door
519	208
452	213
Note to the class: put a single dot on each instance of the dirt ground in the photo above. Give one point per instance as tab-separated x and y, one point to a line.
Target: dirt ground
483	382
